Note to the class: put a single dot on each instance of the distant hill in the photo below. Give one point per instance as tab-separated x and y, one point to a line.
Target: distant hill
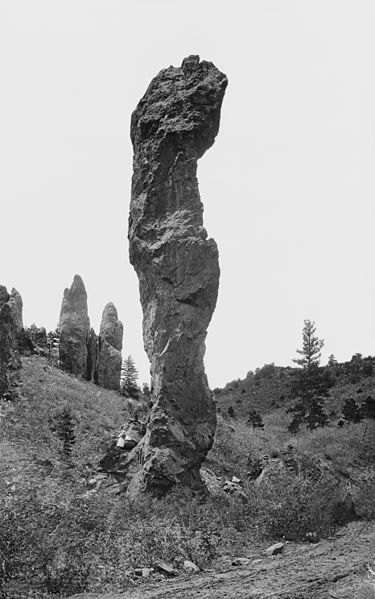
268	388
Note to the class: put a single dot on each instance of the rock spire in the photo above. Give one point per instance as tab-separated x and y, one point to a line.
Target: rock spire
110	346
74	329
173	125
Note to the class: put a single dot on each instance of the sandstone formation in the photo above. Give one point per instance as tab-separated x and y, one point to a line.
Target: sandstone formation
92	357
11	329
74	329
173	125
110	346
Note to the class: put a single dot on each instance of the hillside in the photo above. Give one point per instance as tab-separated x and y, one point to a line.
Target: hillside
267	389
61	533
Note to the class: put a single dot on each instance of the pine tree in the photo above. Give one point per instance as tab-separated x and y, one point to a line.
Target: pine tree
129	377
309	387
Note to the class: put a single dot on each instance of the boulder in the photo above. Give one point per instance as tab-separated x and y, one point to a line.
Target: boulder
173	125
275	549
190	567
110	346
74	329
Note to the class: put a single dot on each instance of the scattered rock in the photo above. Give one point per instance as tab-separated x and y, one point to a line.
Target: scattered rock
234	488
165	568
146	572
74	329
242	561
173	125
211	481
110	346
190	567
275	549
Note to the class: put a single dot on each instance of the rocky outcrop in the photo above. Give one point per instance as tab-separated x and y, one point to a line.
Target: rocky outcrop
173	125
74	329
110	346
11	329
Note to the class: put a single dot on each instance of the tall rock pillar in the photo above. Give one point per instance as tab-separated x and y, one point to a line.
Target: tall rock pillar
110	346
11	328
174	123
74	329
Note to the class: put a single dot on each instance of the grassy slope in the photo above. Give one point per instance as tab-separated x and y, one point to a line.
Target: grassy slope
90	543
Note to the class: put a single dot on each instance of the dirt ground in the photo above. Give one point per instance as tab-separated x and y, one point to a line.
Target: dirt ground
331	569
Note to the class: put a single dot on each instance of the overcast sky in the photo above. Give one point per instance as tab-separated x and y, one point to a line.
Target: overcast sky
288	187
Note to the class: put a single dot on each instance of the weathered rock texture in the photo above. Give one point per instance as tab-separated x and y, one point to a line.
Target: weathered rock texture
110	346
11	329
74	329
175	122
92	357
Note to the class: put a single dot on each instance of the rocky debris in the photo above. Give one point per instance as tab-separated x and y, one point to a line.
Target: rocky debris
143	572
110	346
213	483
275	549
190	567
124	447
74	329
11	330
164	567
173	125
131	434
242	561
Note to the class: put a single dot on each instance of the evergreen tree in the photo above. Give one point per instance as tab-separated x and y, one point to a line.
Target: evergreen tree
309	385
63	426
351	410
129	377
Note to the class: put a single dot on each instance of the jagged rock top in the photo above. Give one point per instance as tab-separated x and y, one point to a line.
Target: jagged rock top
111	328
182	101
75	299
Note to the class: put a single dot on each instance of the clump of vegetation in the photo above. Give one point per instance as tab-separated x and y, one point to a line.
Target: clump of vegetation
255	419
351	410
63	426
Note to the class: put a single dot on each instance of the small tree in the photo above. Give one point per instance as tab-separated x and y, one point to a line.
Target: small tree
63	426
351	410
231	411
129	377
255	419
309	386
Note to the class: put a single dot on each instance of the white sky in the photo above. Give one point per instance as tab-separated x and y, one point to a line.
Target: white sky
288	186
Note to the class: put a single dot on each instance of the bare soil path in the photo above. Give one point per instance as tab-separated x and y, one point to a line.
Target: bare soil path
330	569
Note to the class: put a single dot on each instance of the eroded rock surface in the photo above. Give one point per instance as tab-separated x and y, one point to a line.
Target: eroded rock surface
74	329
110	346
174	123
11	328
